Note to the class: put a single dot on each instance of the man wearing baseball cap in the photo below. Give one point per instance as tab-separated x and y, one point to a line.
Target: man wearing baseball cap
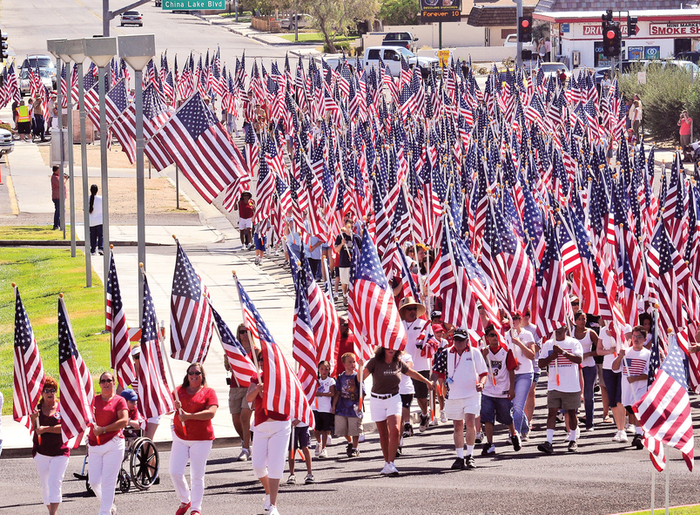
465	374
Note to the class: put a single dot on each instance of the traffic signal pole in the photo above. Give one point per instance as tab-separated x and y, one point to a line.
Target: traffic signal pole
519	47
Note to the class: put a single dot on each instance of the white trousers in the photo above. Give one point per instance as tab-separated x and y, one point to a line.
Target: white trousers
270	448
197	452
104	464
51	470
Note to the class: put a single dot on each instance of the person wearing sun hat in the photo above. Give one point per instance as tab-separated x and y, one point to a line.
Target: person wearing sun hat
411	312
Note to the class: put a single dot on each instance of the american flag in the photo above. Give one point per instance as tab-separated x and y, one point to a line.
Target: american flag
116	104
190	313
115	321
551	301
282	392
29	371
155	396
241	365
202	148
664	411
77	391
372	310
634	366
303	340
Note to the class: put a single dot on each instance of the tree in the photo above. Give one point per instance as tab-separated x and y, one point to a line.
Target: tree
334	17
400	12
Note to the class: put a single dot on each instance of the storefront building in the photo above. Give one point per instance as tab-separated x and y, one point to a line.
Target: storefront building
578	41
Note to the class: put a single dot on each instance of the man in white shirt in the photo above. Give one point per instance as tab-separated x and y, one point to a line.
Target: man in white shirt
465	375
563	355
410	312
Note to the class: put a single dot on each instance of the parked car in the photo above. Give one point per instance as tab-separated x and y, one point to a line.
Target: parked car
41	62
159	3
131	18
25	81
404	39
6	143
512	40
552	68
297	21
693	57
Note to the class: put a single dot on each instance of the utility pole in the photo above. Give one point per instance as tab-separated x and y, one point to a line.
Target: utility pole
519	47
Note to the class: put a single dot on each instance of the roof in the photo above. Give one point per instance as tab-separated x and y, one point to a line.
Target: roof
496	15
594	15
615	5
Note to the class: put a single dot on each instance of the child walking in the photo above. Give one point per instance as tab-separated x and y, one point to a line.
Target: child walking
346	405
322	408
300	440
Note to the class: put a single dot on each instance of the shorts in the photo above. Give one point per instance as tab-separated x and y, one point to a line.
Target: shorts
629	410
420	387
406	400
613	386
563	400
245	223
455	409
535	378
260	244
380	409
324	421
344	275
301	439
153	420
237	400
347	426
496	408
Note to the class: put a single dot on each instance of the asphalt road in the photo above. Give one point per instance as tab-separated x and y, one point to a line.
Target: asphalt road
30	23
603	477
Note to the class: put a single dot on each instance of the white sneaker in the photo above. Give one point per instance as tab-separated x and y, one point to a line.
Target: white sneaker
616	438
623	437
317	450
386	470
443	417
394	471
329	441
273	510
434	422
244	455
578	432
113	510
323	454
266	503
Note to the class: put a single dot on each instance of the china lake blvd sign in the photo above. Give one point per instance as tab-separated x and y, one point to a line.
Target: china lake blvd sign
193	5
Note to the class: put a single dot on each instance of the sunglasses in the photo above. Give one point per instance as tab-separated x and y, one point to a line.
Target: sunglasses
195	373
103	381
243	332
490	335
52	390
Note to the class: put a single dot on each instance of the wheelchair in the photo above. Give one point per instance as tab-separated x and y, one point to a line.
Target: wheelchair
141	458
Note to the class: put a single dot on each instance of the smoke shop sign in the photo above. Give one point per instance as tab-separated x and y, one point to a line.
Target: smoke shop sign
674	29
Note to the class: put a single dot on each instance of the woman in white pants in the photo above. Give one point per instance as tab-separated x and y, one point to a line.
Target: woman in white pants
272	432
106	443
193	435
49	452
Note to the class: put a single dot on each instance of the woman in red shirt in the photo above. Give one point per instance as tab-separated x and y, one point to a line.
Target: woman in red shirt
106	443
272	432
49	452
685	123
193	435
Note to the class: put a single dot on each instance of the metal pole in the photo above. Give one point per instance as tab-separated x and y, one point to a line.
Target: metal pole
105	178
236	6
59	97
71	178
296	22
440	36
106	18
519	47
177	187
84	171
140	196
653	490
668	476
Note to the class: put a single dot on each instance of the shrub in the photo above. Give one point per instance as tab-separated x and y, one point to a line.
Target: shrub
668	90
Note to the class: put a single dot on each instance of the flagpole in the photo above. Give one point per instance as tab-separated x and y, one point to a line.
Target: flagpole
653	489
245	322
668	476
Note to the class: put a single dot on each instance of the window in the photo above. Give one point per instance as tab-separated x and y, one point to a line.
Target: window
373	55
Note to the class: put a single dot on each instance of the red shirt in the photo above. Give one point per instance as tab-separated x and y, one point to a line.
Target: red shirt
344	345
685	126
245	209
261	414
106	413
195	429
51	443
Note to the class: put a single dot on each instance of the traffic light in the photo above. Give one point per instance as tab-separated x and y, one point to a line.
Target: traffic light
608	16
3	46
631	26
612	39
525	29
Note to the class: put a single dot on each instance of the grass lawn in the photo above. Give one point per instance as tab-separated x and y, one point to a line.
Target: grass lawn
682	510
31	232
41	274
315	37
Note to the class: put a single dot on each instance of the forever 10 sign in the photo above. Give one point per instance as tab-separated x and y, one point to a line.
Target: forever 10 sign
193	5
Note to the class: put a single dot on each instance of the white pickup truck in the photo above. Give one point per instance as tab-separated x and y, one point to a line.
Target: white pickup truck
391	55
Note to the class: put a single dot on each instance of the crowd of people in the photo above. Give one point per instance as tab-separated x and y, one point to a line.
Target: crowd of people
33	119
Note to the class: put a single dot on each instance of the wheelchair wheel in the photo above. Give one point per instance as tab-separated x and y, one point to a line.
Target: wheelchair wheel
123	481
144	463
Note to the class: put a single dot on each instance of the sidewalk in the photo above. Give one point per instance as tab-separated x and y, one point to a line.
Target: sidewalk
214	249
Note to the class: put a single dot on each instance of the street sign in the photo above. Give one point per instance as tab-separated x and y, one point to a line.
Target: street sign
194	5
444	57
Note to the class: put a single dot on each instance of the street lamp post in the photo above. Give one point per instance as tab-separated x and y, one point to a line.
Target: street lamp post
137	50
75	49
101	50
58	48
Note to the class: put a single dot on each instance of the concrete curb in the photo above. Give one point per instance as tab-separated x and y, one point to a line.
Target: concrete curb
67	243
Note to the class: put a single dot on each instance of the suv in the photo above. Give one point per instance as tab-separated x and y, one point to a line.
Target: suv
404	39
693	57
45	65
131	18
